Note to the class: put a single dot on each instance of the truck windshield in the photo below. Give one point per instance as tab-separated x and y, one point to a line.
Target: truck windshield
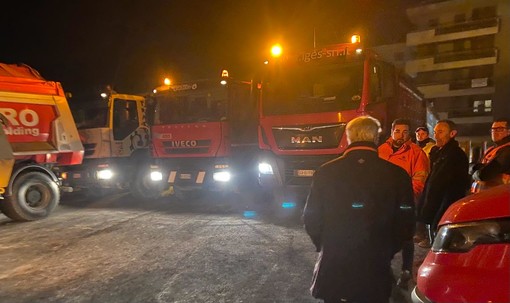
201	106
313	89
91	116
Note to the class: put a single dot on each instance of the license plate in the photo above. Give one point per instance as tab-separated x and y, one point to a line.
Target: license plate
76	176
185	176
304	172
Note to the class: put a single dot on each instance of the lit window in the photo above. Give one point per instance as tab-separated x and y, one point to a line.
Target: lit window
480	106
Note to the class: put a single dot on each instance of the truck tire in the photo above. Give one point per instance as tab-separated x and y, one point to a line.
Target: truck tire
144	188
34	196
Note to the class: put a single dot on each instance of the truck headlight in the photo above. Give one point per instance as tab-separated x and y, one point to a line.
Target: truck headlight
104	174
221	176
156	176
265	168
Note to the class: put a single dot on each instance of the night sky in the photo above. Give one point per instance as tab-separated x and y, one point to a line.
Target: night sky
132	45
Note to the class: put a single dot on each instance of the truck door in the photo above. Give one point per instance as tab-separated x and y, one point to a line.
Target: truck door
125	118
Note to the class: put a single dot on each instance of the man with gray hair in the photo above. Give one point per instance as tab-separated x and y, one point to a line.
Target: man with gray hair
359	212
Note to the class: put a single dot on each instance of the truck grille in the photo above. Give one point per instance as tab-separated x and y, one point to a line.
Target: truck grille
317	136
186	147
293	165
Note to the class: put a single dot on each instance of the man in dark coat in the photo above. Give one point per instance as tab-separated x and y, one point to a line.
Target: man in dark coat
359	211
449	178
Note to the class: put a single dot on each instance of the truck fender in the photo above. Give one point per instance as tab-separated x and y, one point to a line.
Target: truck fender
24	167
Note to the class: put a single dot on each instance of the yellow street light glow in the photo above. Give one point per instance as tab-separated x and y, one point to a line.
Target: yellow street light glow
167	81
276	50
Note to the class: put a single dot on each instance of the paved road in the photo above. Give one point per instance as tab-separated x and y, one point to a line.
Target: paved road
118	249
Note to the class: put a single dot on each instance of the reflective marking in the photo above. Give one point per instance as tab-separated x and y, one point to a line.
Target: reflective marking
357	205
200	177
249	214
288	205
405	207
171	177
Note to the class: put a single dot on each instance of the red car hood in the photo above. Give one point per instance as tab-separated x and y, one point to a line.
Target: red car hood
489	204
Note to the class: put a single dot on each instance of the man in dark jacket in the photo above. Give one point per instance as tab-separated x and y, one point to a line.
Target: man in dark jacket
448	179
359	211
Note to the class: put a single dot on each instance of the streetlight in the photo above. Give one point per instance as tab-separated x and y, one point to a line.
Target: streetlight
167	81
276	50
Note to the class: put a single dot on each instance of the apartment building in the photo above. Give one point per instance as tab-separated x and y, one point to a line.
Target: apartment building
460	61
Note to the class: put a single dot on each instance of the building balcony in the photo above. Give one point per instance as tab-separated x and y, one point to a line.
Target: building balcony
451	60
454	31
466	87
465	116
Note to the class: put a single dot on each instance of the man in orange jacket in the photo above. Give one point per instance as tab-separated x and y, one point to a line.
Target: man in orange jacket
399	150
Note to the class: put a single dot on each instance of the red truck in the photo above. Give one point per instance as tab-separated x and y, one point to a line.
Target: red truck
202	133
307	99
38	135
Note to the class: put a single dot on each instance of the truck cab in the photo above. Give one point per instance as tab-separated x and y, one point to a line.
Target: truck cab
115	136
306	100
201	133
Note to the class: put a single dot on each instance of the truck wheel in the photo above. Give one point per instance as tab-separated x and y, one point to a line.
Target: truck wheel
34	196
144	188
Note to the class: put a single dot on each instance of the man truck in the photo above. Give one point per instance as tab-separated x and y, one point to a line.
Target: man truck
305	102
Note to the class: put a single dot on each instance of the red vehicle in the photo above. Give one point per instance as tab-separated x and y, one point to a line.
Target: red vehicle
306	101
38	136
199	131
470	258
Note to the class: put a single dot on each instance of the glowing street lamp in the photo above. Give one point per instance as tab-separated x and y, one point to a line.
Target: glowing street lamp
276	50
167	81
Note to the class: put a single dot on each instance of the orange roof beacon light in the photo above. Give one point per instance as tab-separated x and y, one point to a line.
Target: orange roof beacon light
355	39
224	77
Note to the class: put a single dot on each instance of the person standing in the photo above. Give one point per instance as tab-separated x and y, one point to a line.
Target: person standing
399	150
423	139
358	213
448	180
426	143
494	168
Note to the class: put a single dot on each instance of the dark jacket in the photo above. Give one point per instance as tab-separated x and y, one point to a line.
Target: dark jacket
447	182
359	211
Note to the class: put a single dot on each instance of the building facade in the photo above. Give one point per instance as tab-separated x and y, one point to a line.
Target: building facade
460	61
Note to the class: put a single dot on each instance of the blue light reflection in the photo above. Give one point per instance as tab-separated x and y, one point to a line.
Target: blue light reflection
288	204
249	214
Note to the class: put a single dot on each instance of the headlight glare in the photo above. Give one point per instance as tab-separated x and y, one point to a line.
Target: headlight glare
156	176
222	176
265	168
104	174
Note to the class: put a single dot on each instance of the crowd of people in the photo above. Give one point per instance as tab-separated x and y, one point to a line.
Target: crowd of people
376	200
